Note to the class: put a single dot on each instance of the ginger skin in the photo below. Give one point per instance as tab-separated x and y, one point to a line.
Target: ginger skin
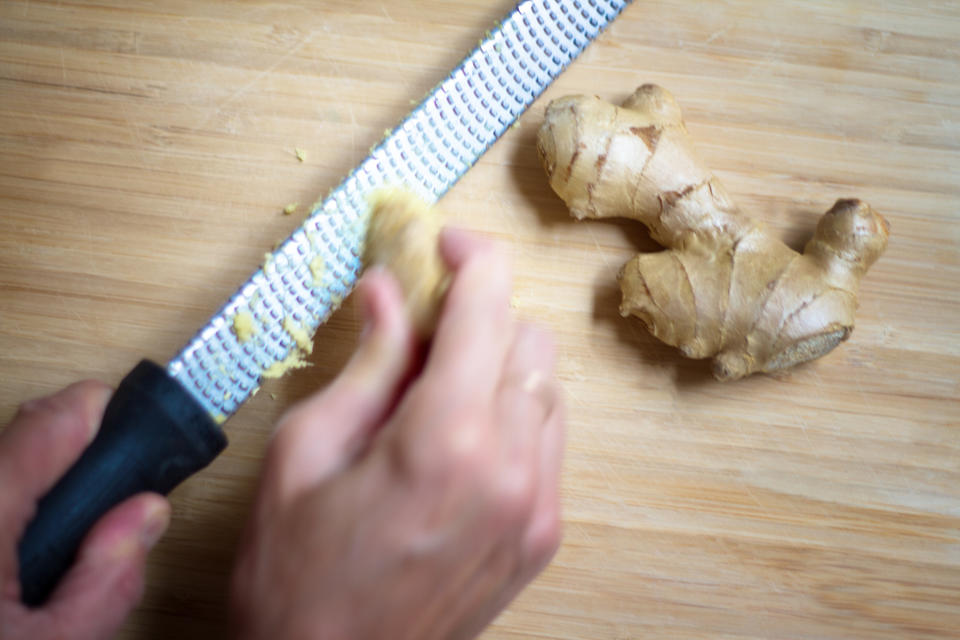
725	288
402	235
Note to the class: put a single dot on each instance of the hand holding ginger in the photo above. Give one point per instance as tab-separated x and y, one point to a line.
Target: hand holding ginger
726	288
394	509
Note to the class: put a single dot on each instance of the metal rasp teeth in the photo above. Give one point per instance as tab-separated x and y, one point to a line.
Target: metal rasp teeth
308	276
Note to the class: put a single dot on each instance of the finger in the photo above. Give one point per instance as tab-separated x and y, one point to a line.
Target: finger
529	364
542	536
534	350
533	353
474	329
45	437
106	581
509	569
526	395
327	431
458	245
525	402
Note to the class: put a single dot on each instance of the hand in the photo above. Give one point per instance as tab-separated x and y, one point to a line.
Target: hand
395	509
106	581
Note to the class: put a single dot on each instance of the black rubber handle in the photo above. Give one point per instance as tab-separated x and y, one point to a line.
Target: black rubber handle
153	436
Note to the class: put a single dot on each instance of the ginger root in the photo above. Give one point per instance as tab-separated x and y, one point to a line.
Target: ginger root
725	288
402	236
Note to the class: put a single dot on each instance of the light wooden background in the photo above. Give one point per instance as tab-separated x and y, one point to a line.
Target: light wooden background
146	150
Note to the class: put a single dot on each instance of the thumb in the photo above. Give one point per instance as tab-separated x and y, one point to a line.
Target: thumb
326	432
106	581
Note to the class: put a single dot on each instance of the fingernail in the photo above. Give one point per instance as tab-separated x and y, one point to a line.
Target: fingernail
155	525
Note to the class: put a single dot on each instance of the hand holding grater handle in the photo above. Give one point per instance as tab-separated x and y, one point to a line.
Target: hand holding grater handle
153	436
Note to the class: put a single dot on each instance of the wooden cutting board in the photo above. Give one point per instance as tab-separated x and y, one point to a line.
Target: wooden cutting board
146	152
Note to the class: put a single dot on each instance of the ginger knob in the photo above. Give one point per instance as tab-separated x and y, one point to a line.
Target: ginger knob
725	288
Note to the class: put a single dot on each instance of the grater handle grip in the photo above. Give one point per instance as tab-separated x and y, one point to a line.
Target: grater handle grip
153	436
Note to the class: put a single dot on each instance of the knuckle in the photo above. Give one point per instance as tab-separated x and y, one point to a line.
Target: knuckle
514	493
439	447
459	451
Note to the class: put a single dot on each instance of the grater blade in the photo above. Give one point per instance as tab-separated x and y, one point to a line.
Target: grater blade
304	281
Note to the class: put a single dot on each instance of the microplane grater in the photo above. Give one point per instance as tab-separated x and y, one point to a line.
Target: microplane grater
426	153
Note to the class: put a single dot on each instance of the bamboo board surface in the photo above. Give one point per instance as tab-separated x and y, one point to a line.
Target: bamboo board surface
146	152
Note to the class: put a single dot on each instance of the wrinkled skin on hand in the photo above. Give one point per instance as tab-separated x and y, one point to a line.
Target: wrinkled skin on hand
45	437
402	503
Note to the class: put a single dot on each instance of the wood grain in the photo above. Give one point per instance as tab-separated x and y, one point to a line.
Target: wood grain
146	151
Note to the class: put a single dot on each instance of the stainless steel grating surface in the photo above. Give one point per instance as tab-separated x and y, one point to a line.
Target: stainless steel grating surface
310	274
